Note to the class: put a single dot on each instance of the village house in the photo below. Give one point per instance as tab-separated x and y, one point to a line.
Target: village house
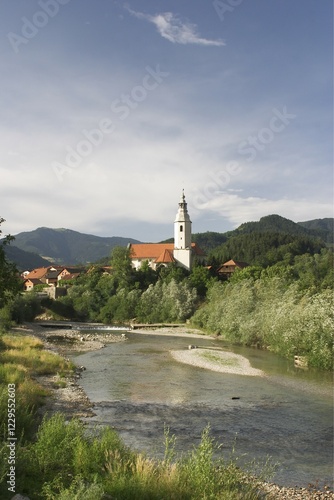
70	273
30	283
182	252
226	270
48	276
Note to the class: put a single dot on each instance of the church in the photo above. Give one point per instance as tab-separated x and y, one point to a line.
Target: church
182	252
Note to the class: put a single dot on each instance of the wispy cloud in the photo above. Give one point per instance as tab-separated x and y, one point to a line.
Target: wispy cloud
176	31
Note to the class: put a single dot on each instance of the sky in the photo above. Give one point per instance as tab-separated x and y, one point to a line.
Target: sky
109	109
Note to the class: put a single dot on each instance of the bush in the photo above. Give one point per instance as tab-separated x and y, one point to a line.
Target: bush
268	312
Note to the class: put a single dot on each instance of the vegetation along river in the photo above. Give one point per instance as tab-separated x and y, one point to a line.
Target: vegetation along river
137	387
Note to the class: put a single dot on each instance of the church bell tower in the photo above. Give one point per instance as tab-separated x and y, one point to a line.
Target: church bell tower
182	235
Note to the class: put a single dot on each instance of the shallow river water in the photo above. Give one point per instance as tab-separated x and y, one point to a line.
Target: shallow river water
138	388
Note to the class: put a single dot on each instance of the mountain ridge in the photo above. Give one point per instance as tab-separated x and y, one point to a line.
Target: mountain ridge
64	246
45	246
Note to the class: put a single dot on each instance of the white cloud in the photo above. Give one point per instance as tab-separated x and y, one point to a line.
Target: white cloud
176	31
239	209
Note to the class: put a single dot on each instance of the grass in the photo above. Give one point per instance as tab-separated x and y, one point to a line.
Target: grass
66	463
28	352
22	358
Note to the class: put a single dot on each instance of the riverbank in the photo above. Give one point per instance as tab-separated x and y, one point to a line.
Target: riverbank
72	401
66	396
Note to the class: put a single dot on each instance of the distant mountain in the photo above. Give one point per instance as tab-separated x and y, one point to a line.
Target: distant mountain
64	246
264	241
24	260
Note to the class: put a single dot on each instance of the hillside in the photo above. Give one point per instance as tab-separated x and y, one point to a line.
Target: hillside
206	241
276	224
64	246
24	260
272	239
323	227
270	224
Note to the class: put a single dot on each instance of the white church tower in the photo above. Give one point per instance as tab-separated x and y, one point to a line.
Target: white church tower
182	235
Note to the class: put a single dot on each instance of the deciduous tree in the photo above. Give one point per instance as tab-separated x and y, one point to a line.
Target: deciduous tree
9	280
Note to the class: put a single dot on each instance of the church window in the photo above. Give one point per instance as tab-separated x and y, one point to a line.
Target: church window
181	229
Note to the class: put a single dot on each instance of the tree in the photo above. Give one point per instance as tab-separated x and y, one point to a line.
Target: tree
122	267
9	280
172	272
201	279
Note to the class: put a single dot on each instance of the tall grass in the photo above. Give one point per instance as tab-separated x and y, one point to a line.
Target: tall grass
67	463
21	359
28	352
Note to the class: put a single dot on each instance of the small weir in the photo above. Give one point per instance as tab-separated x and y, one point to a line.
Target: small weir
83	326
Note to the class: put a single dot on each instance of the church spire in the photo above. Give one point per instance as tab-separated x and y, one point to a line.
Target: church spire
183	202
182	226
183	210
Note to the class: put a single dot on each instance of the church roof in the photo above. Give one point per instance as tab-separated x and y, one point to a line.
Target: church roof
166	257
149	250
156	250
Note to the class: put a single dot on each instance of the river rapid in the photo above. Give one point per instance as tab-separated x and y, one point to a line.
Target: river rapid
287	414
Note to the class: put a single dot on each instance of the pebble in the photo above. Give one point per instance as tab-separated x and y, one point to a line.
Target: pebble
274	492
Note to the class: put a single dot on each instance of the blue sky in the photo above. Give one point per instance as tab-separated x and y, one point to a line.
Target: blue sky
110	108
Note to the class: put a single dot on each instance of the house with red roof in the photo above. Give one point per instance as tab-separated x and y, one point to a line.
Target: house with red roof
182	252
226	270
50	276
29	284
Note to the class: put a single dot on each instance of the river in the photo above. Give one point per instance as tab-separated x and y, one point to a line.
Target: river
138	388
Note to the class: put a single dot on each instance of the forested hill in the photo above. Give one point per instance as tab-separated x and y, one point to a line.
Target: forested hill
24	260
273	224
272	239
323	227
277	224
64	246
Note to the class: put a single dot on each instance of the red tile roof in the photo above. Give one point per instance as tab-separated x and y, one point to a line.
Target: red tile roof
155	250
38	273
149	250
235	263
166	257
